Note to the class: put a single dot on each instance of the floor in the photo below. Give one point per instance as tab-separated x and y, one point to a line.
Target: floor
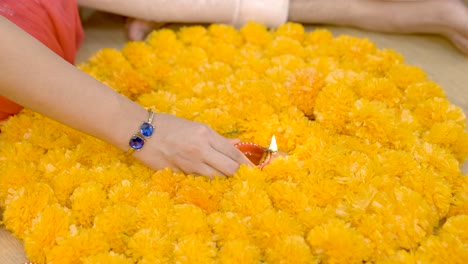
435	55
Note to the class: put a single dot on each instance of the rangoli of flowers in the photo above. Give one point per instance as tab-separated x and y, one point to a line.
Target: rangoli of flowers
373	173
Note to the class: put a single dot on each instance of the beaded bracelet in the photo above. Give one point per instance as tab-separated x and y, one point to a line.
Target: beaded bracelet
137	141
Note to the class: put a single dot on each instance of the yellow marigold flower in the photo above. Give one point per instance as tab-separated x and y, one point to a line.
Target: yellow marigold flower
438	110
303	87
396	163
19	127
382	61
219	120
110	174
78	244
337	242
456	226
449	135
56	161
191	57
357	202
229	226
107	258
153	210
165	43
272	225
49	225
380	89
320	188
318	37
194	249
117	223
405	75
421	91
286	196
189	108
333	105
222	52
246	197
239	251
214	72
352	50
435	189
24	204
290	249
375	121
438	159
102	152
400	257
114	70
181	81
278	74
286	169
292	30
315	216
160	101
459	205
390	220
194	35
138	54
375	227
150	246
258	64
187	219
65	181
145	60
166	181
87	201
14	173
256	34
288	62
443	249
197	191
282	45
130	192
225	33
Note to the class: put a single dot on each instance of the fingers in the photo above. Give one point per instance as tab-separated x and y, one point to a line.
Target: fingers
228	149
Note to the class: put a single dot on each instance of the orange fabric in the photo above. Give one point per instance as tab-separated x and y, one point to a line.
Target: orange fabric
55	23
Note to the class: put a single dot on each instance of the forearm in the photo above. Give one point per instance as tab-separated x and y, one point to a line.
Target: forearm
37	78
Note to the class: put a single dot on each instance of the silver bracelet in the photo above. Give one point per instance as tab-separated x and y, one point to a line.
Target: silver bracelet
146	130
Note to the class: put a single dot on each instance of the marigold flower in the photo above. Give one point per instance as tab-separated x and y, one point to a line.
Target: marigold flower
239	251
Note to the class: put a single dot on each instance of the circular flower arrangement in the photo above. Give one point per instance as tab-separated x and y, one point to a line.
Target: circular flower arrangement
373	173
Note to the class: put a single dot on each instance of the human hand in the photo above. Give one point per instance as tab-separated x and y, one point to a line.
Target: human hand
190	147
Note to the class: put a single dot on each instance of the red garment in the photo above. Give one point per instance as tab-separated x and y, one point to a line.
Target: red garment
56	23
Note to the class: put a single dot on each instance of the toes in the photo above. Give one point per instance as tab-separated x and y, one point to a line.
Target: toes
138	29
460	42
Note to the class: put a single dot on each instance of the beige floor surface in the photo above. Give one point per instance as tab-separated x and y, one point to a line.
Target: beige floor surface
435	55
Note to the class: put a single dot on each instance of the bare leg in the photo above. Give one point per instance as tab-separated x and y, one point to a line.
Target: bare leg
448	18
445	17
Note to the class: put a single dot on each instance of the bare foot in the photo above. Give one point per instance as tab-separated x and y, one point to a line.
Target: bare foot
138	29
448	18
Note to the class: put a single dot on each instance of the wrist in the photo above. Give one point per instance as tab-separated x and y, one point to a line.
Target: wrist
143	133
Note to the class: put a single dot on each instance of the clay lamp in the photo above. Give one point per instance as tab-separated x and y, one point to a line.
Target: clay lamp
258	155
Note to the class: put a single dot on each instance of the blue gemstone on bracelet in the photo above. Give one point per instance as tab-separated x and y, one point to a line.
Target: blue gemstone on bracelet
146	129
136	142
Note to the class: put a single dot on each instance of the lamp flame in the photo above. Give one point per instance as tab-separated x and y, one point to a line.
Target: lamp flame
273	147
